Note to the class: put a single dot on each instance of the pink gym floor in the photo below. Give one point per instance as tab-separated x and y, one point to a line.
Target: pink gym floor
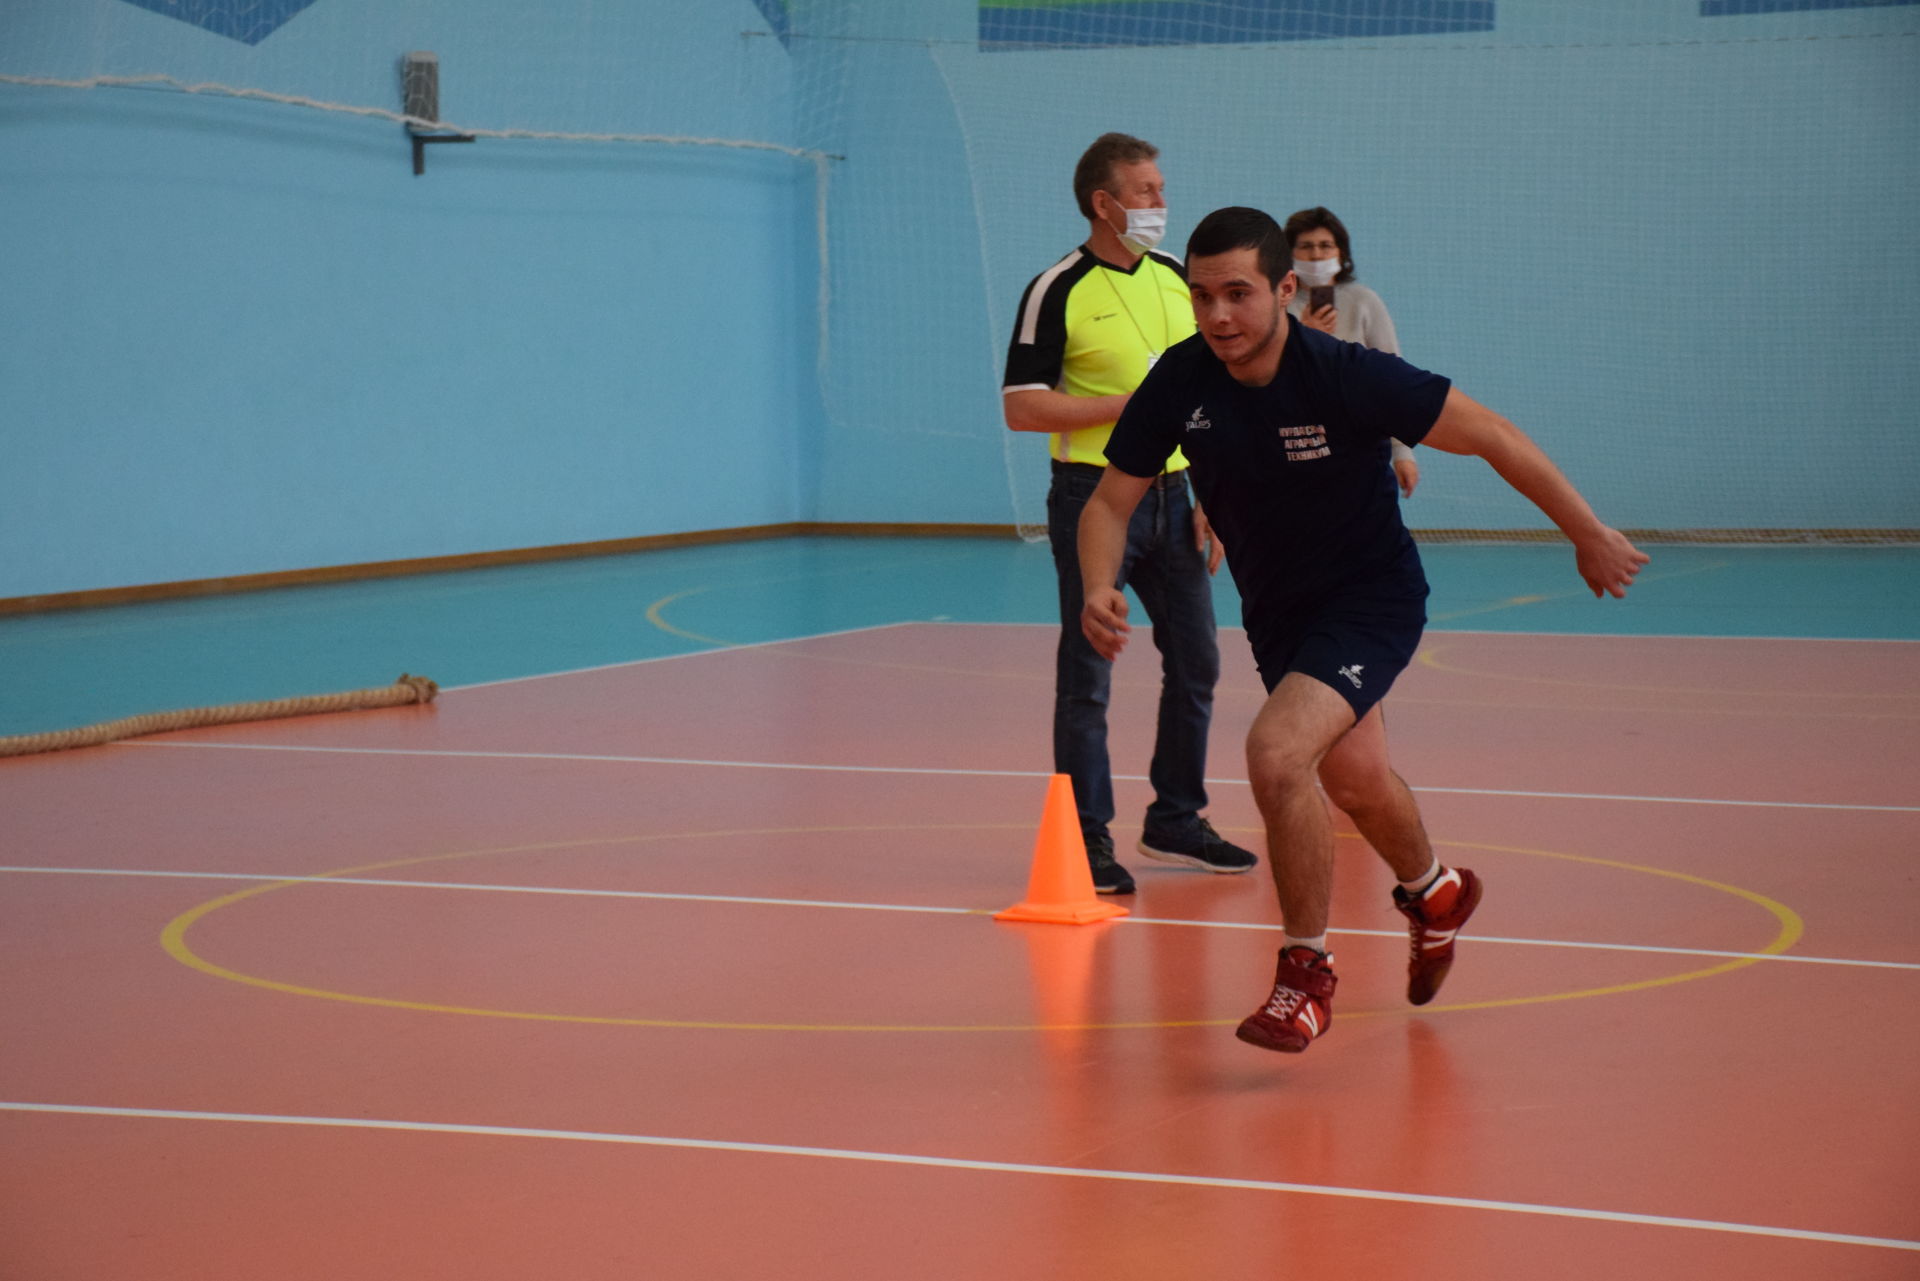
686	968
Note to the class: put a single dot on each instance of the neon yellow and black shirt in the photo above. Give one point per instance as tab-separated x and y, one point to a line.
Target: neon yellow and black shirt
1090	329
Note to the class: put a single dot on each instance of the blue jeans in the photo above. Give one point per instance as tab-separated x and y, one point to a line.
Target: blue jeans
1169	575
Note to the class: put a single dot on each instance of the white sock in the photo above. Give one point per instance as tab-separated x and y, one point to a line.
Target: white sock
1419	884
1318	943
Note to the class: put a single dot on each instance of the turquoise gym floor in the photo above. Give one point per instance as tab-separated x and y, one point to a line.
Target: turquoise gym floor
83	666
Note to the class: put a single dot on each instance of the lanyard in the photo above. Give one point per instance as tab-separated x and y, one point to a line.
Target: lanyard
1153	353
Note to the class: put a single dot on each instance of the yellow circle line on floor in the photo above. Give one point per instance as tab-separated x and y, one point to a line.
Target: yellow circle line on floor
1791	928
173	941
1518	602
656	614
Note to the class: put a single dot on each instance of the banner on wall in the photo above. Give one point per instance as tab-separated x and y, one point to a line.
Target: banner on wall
248	21
1105	24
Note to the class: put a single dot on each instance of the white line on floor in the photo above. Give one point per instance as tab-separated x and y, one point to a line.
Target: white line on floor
990	1167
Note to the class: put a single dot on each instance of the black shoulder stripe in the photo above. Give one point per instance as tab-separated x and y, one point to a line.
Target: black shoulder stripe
1168	261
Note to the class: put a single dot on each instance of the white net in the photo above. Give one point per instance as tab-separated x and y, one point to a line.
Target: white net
1667	237
564	71
1669	240
557	73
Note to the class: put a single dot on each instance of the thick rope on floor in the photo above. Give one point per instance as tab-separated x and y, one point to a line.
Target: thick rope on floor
408	689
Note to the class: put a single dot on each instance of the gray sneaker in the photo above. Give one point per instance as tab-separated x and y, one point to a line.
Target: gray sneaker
1206	849
1108	876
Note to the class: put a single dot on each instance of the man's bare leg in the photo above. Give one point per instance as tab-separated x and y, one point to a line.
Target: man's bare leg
1360	780
1301	721
1436	902
1294	731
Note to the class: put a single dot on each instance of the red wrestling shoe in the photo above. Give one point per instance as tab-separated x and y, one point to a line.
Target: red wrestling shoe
1437	915
1301	1007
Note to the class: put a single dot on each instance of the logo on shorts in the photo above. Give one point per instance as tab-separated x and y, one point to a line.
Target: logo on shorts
1195	422
1352	674
1304	444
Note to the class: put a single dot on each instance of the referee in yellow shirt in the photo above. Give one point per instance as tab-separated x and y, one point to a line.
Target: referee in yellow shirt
1088	329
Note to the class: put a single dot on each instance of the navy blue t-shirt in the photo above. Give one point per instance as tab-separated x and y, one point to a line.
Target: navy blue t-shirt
1295	476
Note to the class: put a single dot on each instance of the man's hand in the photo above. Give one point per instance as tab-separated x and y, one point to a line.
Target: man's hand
1608	562
1325	319
1604	557
1407	472
1207	541
1103	619
1103	544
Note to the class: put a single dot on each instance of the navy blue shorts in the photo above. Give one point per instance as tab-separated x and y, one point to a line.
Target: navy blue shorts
1357	645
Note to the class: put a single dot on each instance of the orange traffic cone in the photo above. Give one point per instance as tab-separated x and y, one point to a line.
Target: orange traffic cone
1060	888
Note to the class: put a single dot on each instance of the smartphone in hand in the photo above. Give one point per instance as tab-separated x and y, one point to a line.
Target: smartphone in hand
1319	296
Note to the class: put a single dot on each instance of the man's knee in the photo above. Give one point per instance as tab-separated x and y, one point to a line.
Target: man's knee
1303	721
1279	764
1352	789
1357	774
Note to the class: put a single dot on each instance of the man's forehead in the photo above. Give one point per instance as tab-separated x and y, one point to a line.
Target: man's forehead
1236	266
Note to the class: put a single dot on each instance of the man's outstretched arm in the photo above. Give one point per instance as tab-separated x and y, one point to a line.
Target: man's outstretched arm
1606	560
1103	546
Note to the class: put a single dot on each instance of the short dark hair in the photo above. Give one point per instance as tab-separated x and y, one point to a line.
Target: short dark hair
1238	227
1097	163
1321	218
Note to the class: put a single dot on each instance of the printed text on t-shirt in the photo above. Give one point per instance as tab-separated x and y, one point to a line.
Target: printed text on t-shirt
1304	443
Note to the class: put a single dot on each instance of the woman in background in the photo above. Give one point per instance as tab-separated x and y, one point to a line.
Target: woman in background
1332	301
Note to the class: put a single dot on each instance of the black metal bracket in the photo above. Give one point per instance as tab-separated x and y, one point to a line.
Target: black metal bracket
420	141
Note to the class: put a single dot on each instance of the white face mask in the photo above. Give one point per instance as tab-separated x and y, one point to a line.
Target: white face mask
1316	273
1145	229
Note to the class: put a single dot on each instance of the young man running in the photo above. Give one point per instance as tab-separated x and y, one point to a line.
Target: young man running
1287	433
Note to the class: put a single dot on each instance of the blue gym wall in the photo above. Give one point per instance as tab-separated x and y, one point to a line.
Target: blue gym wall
241	337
